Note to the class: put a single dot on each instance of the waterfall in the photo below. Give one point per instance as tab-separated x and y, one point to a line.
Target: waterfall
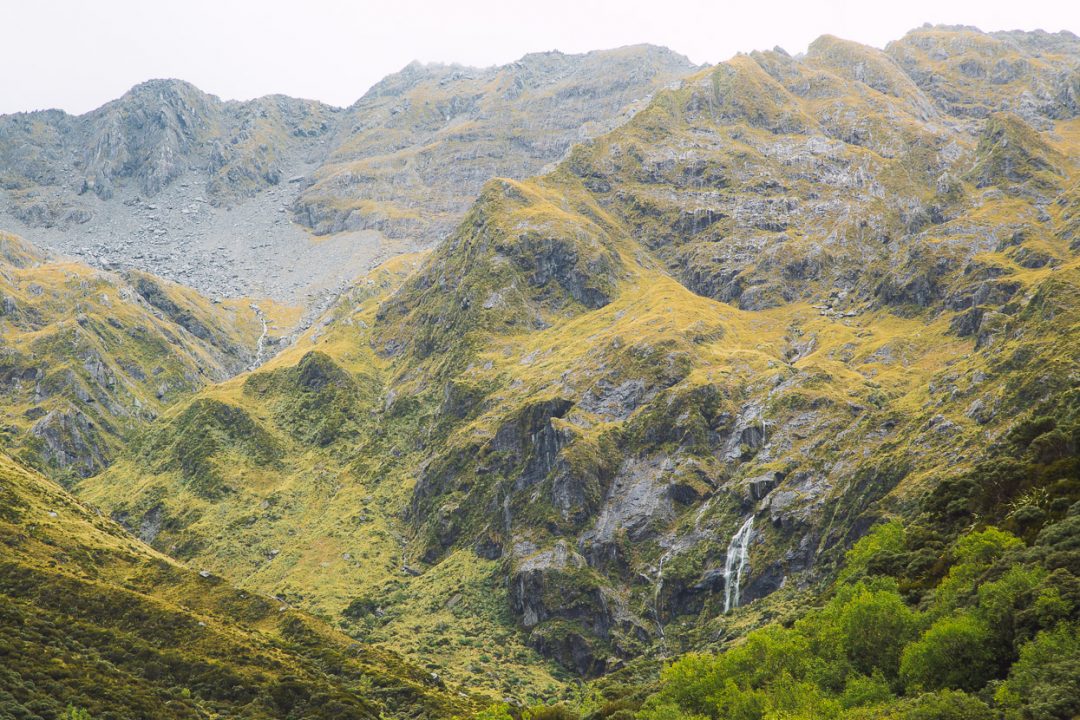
734	564
658	588
260	346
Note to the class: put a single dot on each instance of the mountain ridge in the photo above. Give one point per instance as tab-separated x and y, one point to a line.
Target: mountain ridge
174	181
143	634
89	356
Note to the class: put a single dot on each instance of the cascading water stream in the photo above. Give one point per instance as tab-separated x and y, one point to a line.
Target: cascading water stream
735	563
658	588
260	345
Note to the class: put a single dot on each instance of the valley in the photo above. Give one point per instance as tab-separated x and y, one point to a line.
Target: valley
602	386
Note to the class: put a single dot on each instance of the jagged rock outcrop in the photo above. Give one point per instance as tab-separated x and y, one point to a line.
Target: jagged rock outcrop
70	443
555	587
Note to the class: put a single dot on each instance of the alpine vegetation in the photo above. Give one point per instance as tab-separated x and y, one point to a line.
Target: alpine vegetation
595	386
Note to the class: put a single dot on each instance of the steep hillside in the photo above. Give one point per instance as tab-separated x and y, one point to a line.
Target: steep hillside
95	620
170	180
265	480
645	402
89	357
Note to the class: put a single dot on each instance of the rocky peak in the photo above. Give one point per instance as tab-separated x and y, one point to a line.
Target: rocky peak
972	74
859	63
150	135
513	263
416	72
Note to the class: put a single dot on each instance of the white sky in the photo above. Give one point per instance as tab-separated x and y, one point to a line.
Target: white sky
78	54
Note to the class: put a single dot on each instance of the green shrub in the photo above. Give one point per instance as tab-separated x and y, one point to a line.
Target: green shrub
551	712
498	711
1044	684
956	652
947	705
882	543
861	690
874	627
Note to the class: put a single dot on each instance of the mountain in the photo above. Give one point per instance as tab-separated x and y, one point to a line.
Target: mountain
220	196
760	400
647	401
89	357
95	620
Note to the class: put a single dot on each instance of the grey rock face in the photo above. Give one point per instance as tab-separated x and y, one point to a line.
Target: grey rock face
151	524
148	136
569	612
796	503
550	259
70	442
615	401
637	503
762	485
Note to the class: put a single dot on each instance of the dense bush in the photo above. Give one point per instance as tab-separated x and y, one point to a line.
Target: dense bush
1045	681
956	652
870	653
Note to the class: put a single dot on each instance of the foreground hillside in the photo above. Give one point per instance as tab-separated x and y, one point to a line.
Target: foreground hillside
645	403
931	619
95	620
223	196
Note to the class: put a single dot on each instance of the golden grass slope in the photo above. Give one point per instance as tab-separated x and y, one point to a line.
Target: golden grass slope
95	619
